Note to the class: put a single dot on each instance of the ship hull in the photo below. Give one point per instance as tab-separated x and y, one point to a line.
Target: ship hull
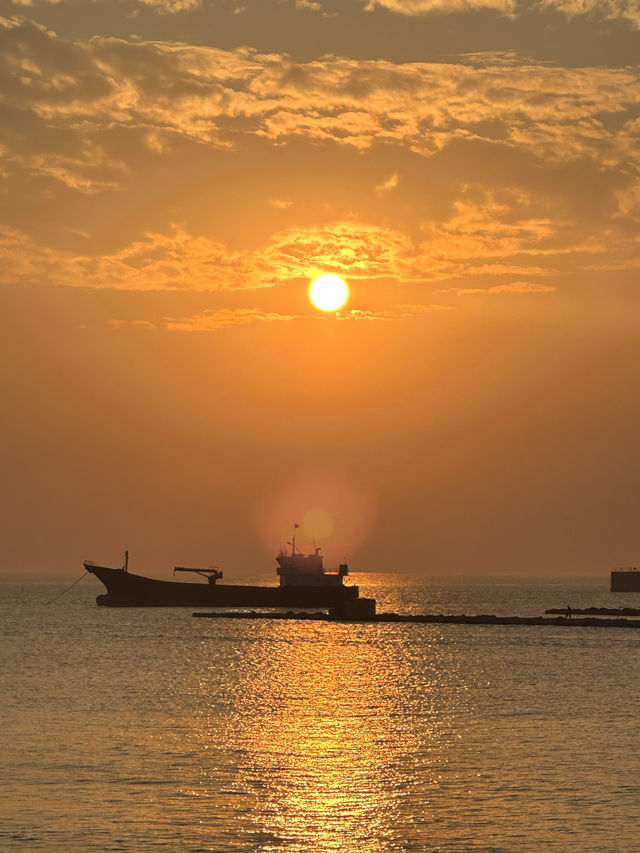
125	589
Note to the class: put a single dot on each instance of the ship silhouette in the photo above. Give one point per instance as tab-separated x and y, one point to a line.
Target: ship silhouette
304	582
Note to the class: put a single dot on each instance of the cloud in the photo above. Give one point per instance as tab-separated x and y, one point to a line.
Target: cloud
175	261
390	184
514	287
163	7
182	261
413	309
487	234
628	10
66	99
212	320
629	200
400	312
512	167
209	321
361	314
171	7
489	224
357	250
136	324
425	7
602	9
499	232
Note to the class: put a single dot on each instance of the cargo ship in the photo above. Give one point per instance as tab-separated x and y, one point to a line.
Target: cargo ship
304	582
625	580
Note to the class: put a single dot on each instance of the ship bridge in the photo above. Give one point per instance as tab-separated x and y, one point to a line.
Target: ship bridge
297	569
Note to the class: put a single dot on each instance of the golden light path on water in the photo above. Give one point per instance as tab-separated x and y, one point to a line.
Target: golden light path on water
323	731
325	750
160	731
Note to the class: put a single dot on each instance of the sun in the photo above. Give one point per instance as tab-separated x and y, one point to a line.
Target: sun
328	292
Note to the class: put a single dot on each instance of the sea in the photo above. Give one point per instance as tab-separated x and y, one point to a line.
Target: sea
148	730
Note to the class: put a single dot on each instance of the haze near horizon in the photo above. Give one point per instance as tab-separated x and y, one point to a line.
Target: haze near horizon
174	175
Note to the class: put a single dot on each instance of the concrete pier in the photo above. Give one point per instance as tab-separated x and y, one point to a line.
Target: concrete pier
597	611
434	619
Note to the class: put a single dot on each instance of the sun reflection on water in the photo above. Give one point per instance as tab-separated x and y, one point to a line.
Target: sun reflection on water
322	730
324	752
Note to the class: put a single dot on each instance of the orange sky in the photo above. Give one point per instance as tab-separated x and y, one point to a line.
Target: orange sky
173	175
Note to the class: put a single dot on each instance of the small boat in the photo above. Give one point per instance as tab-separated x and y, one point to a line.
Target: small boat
304	582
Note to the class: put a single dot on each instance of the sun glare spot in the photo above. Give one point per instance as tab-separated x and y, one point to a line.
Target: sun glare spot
328	292
318	523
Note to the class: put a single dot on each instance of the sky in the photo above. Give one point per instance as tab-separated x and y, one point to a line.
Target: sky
175	173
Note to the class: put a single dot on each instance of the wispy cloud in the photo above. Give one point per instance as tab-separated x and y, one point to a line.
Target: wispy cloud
602	9
390	184
486	224
400	312
599	9
413	309
132	324
223	318
87	116
487	240
350	248
163	7
182	261
71	96
514	287
171	7
425	7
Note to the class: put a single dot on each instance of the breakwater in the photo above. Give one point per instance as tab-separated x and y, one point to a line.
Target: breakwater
598	611
433	618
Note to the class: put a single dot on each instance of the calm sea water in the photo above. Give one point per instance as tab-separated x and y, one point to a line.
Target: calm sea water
148	729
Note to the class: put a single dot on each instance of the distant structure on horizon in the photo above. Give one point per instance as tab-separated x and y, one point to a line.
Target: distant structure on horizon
625	580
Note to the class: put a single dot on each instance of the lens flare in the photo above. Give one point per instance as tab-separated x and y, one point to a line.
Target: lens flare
318	523
330	508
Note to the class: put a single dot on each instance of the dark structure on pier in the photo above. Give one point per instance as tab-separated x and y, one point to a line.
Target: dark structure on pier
625	580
